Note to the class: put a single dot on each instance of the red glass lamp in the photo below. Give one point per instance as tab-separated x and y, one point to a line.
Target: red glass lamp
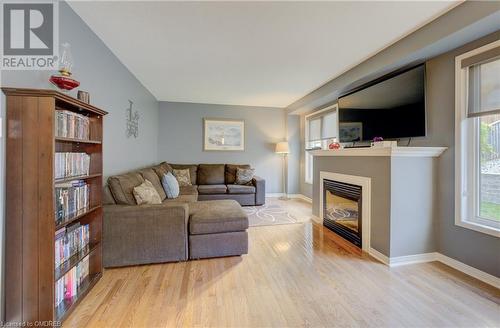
63	80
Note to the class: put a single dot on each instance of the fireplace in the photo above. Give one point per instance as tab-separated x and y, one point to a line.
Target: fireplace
342	209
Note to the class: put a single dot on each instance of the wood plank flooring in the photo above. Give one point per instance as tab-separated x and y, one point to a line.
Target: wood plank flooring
294	275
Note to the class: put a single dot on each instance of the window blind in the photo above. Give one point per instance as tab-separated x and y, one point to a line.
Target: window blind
484	88
322	126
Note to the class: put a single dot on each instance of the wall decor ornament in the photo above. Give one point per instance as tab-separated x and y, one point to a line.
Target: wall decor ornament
132	126
223	134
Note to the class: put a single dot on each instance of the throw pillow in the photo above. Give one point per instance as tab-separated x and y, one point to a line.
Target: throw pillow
183	177
170	185
146	193
244	176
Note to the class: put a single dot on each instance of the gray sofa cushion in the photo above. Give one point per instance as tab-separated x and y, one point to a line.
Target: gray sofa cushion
193	169
216	217
243	199
150	175
211	174
230	172
240	189
107	196
218	244
188	190
212	189
181	199
122	187
162	169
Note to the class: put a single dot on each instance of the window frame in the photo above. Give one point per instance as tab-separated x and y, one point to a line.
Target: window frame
308	158
467	155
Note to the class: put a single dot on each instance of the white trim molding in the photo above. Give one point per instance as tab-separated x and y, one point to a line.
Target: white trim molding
378	256
365	184
317	220
468	270
383	151
412	259
433	257
291	196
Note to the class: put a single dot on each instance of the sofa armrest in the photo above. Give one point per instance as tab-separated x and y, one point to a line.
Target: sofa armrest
141	234
260	190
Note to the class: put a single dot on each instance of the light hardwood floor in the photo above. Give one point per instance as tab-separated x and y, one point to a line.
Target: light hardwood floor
294	275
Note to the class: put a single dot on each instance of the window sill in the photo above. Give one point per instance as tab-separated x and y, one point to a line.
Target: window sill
478	227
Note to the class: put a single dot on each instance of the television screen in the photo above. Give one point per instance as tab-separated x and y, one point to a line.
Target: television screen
390	108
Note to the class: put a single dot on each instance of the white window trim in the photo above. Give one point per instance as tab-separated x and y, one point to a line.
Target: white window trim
462	161
308	178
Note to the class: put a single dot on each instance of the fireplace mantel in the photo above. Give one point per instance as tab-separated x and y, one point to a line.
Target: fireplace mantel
386	151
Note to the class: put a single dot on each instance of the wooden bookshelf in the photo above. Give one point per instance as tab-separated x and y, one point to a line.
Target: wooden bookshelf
30	273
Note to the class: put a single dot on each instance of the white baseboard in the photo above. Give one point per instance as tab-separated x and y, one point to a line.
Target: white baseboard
378	256
317	219
431	257
411	259
468	270
274	194
300	196
293	196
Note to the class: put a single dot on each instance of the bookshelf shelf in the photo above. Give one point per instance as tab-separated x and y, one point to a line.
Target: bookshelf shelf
75	218
63	139
64	268
80	177
32	282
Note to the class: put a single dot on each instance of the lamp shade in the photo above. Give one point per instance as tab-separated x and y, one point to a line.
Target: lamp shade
282	148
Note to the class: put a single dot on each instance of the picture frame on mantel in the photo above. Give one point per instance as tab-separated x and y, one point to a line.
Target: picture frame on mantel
223	134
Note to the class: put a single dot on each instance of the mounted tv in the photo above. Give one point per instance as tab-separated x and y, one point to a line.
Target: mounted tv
392	107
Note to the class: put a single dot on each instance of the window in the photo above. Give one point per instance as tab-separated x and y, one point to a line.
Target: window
477	194
320	126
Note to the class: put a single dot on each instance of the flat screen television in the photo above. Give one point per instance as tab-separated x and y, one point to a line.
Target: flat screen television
392	107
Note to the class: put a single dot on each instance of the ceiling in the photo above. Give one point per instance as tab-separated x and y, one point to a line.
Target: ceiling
248	53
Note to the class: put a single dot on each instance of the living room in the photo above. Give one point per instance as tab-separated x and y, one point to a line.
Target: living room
214	164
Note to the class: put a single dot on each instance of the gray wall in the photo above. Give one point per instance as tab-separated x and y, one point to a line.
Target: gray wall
471	247
413	203
181	137
110	85
293	137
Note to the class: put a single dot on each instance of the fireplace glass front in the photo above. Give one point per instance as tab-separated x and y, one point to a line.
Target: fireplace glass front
342	209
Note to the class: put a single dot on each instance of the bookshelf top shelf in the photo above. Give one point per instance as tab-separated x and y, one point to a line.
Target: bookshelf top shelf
57	95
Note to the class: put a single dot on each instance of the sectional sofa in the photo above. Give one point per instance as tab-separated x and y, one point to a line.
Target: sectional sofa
206	220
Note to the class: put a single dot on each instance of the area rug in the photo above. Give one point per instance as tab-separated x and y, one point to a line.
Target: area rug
269	214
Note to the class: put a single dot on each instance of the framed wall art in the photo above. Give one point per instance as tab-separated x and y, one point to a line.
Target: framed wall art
223	135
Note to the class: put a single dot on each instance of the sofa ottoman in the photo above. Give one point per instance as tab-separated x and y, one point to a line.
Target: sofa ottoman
217	228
